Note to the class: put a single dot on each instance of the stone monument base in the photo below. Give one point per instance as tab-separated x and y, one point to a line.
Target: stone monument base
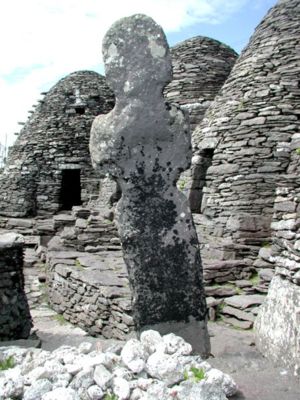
277	326
194	332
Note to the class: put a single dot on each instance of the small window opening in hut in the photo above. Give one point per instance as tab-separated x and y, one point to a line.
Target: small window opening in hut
199	179
70	192
80	110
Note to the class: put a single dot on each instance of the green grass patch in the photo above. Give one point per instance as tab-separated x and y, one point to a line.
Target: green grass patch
181	184
266	244
7	363
298	151
60	319
254	279
78	265
198	374
110	396
219	310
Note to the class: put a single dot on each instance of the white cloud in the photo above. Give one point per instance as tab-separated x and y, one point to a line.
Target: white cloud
43	40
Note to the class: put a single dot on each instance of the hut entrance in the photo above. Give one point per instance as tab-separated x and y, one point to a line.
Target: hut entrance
70	192
199	179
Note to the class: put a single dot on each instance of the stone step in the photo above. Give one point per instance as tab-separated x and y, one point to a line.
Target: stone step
239	314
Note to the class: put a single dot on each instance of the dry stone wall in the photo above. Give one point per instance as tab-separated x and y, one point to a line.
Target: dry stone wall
248	131
200	67
15	319
88	282
49	167
277	326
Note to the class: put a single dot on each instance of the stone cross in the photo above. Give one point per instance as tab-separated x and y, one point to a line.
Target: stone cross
144	144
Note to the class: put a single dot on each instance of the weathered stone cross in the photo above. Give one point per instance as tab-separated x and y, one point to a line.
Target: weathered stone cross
144	144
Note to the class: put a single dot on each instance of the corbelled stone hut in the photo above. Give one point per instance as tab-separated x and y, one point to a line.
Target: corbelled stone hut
200	67
49	168
247	134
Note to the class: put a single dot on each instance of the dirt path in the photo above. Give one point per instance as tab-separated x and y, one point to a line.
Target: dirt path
257	378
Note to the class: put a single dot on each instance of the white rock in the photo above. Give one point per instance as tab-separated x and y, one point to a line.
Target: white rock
165	367
122	372
158	390
202	390
109	360
102	377
95	392
216	377
176	344
69	358
34	375
134	355
85	347
11	383
138	394
53	369
83	379
39	357
65	354
61	394
37	389
121	388
62	383
17	353
152	341
73	369
144	383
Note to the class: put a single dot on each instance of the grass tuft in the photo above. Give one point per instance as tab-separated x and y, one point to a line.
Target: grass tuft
7	363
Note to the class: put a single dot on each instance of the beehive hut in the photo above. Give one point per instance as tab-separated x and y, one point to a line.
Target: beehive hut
200	67
247	133
49	168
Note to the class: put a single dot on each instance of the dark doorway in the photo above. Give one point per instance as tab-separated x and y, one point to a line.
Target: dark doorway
199	179
70	192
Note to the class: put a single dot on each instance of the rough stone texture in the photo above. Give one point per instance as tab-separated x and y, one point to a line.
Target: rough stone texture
15	319
53	145
200	67
67	373
87	277
278	322
248	133
144	144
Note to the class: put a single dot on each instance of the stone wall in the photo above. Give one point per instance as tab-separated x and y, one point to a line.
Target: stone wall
200	67
247	132
49	166
277	325
15	319
88	281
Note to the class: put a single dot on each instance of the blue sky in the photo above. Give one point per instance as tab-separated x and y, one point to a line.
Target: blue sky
43	40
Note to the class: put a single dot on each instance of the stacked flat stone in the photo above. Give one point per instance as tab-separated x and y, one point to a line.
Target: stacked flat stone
55	138
15	319
87	277
200	67
91	291
277	325
249	128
